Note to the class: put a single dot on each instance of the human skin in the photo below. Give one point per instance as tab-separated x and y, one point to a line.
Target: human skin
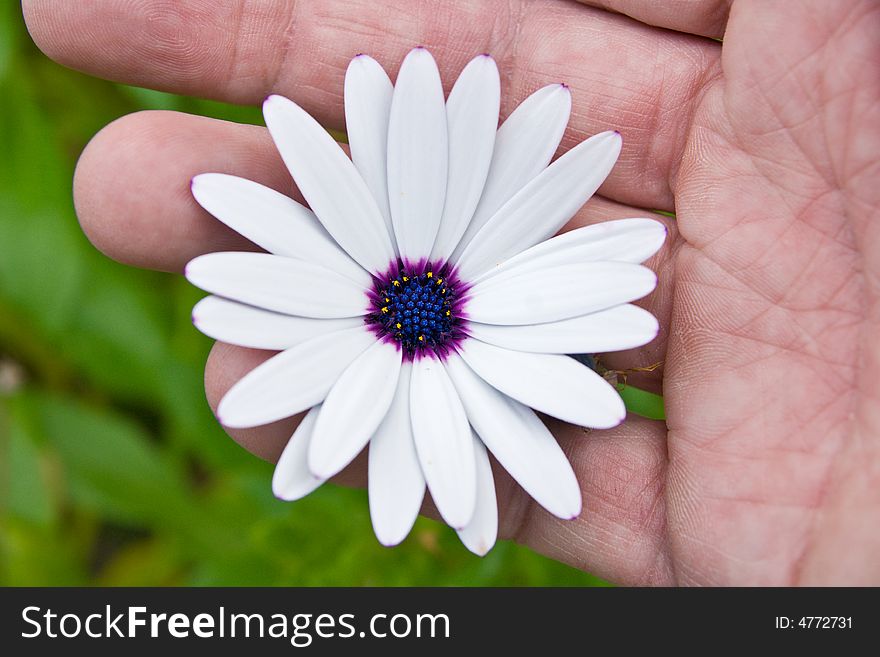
767	148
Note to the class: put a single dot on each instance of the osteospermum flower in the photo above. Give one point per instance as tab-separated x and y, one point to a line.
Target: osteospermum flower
422	305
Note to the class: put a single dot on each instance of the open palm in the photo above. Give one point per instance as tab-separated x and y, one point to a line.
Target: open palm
767	148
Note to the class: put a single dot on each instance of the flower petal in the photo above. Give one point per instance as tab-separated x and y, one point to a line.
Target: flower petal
524	145
292	478
246	326
622	327
621	240
443	442
520	441
396	484
481	532
553	384
548	295
330	183
542	207
353	409
273	221
368	92
472	116
293	380
417	155
285	285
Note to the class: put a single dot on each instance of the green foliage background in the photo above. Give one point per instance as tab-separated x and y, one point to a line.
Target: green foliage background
113	470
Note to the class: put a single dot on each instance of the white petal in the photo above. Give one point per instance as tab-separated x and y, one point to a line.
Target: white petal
353	409
524	146
273	221
292	478
480	533
520	441
621	240
285	285
472	116
396	484
614	329
330	183
417	155
548	295
553	384
368	92
443	442
292	381
247	326
543	206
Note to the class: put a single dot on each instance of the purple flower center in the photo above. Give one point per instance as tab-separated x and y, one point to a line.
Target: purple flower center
419	307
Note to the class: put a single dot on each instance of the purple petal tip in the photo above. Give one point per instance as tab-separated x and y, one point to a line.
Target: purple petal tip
485	54
563	85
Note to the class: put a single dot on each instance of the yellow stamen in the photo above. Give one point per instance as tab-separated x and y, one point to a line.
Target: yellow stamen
398	325
430	274
384	309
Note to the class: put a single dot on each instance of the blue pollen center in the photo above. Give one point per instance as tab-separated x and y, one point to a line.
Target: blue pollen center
417	310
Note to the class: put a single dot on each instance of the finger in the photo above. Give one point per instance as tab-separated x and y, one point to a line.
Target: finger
621	532
133	179
227	364
618	536
702	17
642	81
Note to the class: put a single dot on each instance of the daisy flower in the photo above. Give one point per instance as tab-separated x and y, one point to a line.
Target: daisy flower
422	304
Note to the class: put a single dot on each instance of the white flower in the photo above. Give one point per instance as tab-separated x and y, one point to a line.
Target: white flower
420	305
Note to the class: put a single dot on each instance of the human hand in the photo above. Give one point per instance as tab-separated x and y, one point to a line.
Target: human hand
768	469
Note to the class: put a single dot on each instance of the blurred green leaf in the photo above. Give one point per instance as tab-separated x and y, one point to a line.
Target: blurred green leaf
148	562
151	99
34	556
9	34
118	337
110	464
27	493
